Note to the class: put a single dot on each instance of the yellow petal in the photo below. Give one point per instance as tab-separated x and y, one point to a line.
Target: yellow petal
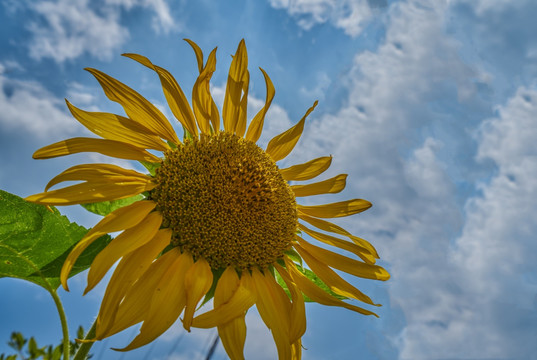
333	210
202	102
297	349
317	294
198	52
120	219
329	186
174	94
126	242
233	336
106	147
233	333
98	173
129	269
256	125
167	303
123	218
198	281
360	251
242	299
226	287
332	279
90	192
307	170
234	87
274	308
134	307
343	263
298	308
240	128
330	227
281	145
136	106
115	127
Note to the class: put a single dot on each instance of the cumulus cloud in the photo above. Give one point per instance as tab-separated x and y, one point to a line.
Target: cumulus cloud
489	310
466	286
67	29
28	106
349	15
496	248
394	97
80	95
318	92
162	20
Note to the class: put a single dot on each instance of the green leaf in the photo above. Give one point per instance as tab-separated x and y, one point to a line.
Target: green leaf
34	242
80	332
106	207
17	341
8	357
57	353
33	350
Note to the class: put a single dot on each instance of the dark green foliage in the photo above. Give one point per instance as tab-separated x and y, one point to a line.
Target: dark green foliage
34	242
32	351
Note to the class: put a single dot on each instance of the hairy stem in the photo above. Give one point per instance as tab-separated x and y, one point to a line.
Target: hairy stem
63	320
83	350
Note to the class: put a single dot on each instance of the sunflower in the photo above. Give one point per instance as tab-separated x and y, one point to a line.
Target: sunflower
219	218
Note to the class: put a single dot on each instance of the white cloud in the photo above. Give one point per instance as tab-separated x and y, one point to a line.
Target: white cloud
415	215
495	252
28	106
162	19
323	82
349	15
81	95
71	28
67	29
482	6
486	309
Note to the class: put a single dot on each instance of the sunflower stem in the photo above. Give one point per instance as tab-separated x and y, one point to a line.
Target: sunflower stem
63	320
83	350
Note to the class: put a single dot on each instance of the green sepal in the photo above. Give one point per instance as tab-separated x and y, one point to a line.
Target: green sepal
187	135
210	294
104	208
172	144
313	277
317	281
151	166
35	241
293	255
283	284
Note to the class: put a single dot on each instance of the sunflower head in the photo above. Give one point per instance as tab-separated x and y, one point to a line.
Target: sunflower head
219	216
225	201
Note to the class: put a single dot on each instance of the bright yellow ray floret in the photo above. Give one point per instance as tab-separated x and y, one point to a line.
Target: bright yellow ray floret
219	217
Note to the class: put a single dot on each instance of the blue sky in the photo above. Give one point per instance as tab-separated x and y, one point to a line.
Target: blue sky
429	106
